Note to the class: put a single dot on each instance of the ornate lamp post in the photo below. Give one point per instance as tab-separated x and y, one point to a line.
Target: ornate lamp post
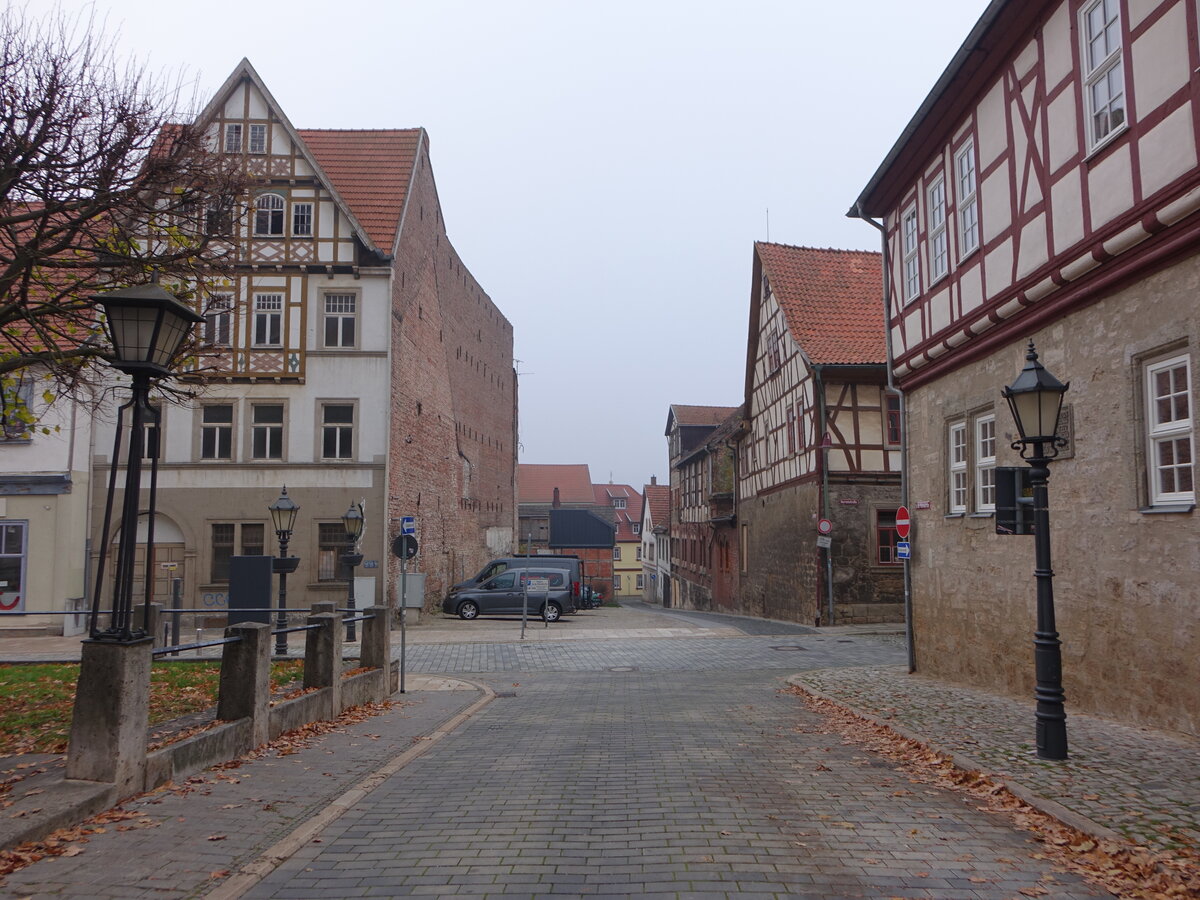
147	326
283	517
1035	399
352	521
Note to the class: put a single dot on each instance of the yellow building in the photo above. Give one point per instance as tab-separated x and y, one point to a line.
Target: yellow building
626	506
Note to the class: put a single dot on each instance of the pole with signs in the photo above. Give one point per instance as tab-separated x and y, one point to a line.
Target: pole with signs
405	548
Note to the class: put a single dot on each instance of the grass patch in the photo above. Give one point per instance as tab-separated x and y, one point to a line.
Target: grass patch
36	699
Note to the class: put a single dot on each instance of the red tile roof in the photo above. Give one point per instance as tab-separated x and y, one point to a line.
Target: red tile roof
701	415
658	496
832	300
604	494
536	483
371	169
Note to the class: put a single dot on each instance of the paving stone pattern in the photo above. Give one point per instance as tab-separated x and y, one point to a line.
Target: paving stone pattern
1137	781
670	784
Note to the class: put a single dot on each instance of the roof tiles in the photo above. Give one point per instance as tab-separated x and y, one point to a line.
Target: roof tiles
536	483
832	300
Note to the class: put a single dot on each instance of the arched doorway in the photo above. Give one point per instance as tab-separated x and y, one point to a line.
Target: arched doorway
168	563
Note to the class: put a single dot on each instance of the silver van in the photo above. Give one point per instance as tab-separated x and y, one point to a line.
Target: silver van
504	595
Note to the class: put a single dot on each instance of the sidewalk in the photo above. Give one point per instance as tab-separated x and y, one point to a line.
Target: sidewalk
1138	783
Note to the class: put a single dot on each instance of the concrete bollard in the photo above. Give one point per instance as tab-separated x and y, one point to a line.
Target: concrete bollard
153	626
245	688
323	658
376	649
112	713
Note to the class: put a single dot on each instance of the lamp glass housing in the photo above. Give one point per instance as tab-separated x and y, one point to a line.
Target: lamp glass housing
352	521
283	513
1035	400
147	326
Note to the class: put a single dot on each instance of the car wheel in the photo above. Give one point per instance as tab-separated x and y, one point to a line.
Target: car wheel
551	612
468	609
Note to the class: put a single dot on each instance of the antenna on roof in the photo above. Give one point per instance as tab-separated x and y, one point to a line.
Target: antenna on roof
768	224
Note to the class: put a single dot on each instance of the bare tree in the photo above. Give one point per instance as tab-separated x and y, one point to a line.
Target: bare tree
99	188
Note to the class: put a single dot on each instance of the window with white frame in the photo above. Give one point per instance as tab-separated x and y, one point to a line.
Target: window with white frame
258	138
216	431
958	467
233	137
968	202
1169	426
266	431
1103	69
268	320
892	419
616	584
152	433
637	528
618	502
268	215
617	553
639	552
985	464
641	582
939	247
302	219
912	261
218	319
340	318
337	431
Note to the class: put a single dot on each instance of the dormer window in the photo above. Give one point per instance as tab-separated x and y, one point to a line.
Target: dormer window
268	215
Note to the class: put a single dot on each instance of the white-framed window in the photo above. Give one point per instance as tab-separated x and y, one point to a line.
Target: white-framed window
912	260
268	320
1170	431
216	431
637	527
968	202
258	139
233	137
218	320
266	431
151	432
616	584
939	244
618	502
639	552
617	553
268	215
337	431
1103	69
985	464
957	457
340	318
302	219
641	582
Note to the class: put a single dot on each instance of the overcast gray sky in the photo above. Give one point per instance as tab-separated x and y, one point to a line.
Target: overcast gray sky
604	167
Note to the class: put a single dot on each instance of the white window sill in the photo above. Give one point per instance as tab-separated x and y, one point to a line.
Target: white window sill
954	515
1160	509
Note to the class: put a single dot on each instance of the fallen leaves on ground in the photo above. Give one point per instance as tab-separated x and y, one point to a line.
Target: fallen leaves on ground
1128	870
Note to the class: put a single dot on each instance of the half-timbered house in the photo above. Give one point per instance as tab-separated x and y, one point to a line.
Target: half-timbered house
351	356
821	443
703	543
1048	188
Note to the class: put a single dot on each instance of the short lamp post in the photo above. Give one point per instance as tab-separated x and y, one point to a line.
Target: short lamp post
147	326
283	518
352	522
1036	399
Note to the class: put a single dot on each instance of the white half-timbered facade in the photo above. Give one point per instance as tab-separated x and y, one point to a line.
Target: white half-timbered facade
1048	188
821	441
332	362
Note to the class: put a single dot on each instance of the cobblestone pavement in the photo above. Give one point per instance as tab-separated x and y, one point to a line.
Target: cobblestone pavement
660	783
1141	783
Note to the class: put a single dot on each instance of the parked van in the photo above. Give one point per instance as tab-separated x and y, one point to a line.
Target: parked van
505	594
572	564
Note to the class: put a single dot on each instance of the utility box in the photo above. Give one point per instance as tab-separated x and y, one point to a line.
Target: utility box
414	590
250	588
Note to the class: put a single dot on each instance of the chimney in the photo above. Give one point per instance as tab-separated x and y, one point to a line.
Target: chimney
654	479
557	504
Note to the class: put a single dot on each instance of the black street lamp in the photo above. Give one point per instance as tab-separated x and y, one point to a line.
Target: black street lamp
283	517
1036	399
352	522
147	326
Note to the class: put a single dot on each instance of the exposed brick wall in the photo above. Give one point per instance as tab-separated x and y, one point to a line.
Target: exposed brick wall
453	412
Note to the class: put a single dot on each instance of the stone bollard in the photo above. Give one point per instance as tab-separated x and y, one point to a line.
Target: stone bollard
153	623
112	713
245	689
323	657
376	648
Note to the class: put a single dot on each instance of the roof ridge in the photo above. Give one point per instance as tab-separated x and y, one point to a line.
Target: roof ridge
816	249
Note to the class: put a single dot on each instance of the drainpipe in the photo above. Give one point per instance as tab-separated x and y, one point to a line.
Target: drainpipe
857	213
819	389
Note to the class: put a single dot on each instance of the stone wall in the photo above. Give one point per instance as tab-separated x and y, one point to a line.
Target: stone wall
1126	581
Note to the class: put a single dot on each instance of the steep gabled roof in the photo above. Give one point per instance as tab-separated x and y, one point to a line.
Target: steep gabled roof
832	301
709	416
658	498
624	518
372	170
536	483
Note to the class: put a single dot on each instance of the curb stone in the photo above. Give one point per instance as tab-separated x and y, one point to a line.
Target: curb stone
1052	808
251	873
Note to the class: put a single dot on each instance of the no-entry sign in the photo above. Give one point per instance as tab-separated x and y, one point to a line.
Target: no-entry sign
902	523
